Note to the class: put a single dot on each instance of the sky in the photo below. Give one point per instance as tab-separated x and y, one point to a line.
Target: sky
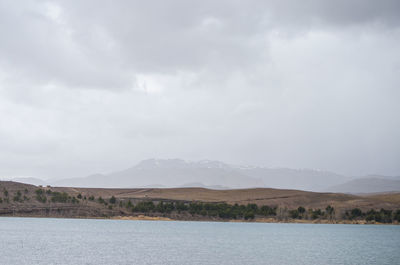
97	86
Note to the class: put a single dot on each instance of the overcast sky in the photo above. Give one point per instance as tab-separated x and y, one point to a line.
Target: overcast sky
96	86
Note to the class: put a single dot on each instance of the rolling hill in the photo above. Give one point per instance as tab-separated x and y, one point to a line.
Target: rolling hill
18	199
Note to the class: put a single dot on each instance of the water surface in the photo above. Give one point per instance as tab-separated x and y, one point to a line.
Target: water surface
79	241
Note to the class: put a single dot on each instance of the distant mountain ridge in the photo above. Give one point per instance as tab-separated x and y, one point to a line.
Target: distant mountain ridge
30	180
208	173
180	163
300	179
169	173
369	184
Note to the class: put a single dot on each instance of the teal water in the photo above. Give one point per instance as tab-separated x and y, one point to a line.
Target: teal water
77	241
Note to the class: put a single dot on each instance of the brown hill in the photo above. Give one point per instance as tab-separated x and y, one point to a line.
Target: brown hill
27	202
259	196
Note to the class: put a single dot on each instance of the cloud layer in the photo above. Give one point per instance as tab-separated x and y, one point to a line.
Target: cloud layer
99	85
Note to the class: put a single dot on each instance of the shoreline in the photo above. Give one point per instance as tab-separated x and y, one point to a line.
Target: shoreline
166	219
260	220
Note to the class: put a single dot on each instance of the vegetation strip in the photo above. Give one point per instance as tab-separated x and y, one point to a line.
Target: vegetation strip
223	211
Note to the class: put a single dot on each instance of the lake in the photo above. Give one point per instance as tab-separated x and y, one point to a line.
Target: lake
85	241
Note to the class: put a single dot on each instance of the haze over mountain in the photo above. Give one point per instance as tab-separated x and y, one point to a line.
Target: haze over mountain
172	173
301	179
368	184
206	173
168	173
30	180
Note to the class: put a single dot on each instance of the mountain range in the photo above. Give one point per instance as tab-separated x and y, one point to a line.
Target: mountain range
369	184
168	173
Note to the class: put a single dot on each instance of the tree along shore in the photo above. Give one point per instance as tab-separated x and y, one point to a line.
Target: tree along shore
53	202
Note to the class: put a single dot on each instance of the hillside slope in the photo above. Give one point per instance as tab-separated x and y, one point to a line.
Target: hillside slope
260	196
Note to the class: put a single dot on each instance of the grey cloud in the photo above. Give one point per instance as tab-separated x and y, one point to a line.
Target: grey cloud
99	85
109	43
334	13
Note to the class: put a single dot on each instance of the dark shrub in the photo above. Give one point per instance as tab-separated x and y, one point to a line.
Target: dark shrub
113	200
